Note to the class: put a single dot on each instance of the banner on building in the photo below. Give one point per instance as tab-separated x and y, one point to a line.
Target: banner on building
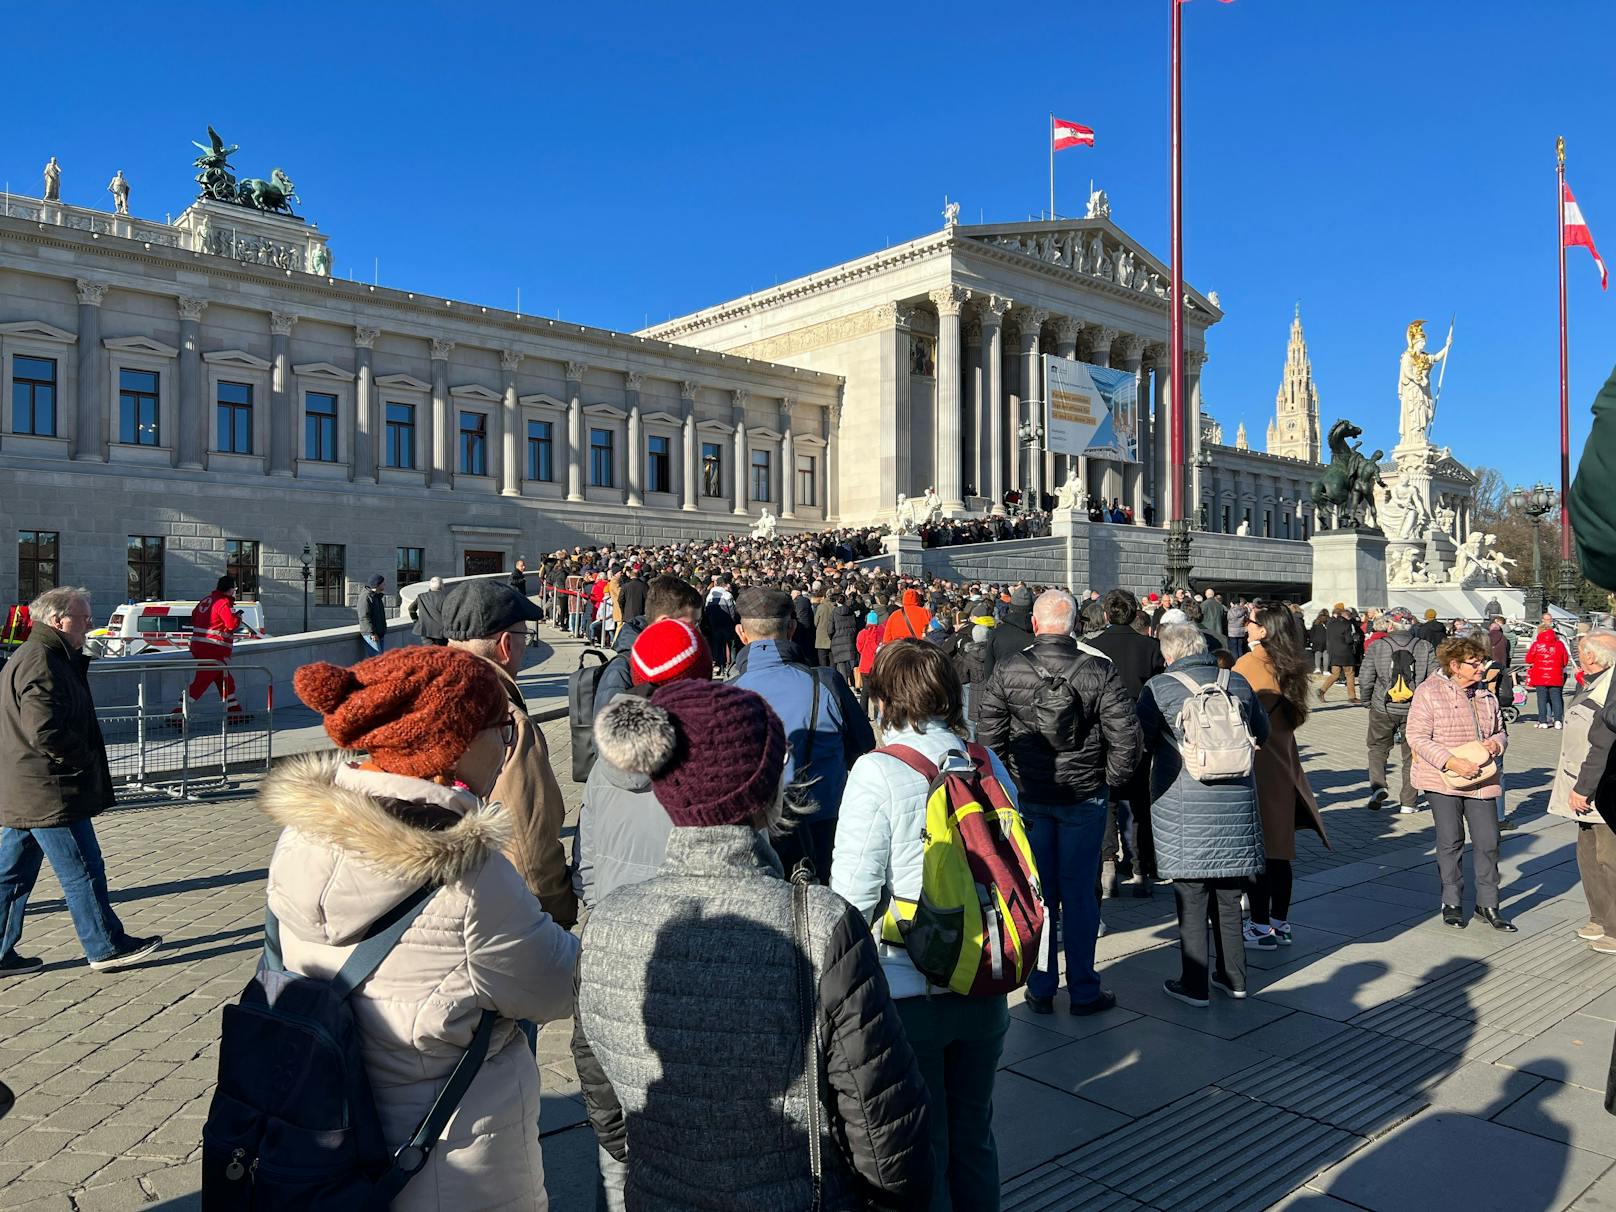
1091	410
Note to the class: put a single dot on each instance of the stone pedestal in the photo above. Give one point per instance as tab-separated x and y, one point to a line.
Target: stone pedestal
1349	566
905	550
1066	523
252	236
1440	553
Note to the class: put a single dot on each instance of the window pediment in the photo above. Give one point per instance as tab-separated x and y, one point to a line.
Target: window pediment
39	331
541	400
715	426
475	391
236	357
141	345
324	370
406	382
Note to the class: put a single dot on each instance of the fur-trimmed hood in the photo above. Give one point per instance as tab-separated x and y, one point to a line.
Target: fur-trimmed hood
345	859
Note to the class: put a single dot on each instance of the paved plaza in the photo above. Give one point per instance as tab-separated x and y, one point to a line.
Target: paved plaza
1384	1062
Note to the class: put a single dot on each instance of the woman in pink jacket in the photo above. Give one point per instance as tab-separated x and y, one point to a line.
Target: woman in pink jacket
1456	732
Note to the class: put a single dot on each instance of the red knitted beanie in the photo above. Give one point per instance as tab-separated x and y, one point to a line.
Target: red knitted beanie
413	710
667	650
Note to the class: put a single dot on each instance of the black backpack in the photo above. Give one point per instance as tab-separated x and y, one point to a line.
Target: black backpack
293	1124
581	686
1057	711
1400	691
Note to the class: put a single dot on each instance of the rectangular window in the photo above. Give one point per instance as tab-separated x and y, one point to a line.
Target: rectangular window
807	482
712	469
473	444
410	562
241	562
235	417
320	427
37	555
658	464
33	396
145	568
330	574
137	407
760	476
540	450
600	458
401	436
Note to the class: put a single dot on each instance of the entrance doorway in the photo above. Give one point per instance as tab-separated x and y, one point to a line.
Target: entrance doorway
481	563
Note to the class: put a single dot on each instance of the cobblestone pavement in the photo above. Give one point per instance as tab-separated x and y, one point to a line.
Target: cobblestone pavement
1383	1062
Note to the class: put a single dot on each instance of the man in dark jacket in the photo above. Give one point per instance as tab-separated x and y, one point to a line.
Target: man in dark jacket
1340	646
54	779
845	623
1433	631
1014	631
1400	657
1064	726
631	594
372	612
427	611
1592	503
1136	658
519	577
1213	615
667	598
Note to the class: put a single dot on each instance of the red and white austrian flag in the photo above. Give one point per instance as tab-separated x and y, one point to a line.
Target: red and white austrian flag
1071	134
1576	232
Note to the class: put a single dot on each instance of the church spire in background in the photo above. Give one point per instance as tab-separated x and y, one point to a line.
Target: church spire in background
1294	431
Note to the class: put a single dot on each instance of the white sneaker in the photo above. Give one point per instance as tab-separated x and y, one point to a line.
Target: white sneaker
1558	725
1407	810
1259	938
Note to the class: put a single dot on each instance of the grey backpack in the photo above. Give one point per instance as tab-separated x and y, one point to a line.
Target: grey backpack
1217	746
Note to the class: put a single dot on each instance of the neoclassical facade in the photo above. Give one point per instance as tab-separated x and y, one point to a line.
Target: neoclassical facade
940	342
189	397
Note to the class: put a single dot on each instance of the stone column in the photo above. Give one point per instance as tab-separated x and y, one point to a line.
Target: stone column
742	467
282	413
575	430
635	493
368	429
1066	330
1108	481
788	462
947	456
510	459
1132	474
192	439
1162	433
687	397
443	426
992	316
92	427
1032	389
973	430
1193	361
833	471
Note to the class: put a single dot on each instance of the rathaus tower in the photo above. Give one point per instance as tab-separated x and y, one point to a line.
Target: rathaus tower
1294	431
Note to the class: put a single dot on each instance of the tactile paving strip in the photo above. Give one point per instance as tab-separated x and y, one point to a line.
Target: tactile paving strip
1331	1098
1053	1188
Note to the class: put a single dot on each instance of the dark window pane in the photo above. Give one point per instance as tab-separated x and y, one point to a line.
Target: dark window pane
330	580
137	407
320	427
540	450
712	469
410	563
600	458
401	436
473	444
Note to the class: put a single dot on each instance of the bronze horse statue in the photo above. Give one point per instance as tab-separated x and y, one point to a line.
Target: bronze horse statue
1347	490
272	195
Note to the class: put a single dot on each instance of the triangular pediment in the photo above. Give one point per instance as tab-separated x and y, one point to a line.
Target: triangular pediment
662	418
324	370
1093	249
404	382
39	331
714	426
604	410
236	357
141	345
475	391
541	399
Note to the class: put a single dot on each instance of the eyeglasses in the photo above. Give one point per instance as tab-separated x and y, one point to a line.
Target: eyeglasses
507	732
1476	662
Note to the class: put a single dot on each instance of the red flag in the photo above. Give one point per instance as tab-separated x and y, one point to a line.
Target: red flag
1070	134
1576	232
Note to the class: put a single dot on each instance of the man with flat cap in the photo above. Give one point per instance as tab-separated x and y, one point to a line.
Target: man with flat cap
491	620
826	729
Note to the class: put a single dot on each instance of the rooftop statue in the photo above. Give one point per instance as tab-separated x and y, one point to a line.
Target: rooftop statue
53	181
119	188
217	180
1417	406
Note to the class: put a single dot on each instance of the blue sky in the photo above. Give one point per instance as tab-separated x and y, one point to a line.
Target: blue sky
1376	160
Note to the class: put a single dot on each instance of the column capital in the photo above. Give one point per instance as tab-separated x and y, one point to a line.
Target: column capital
1133	345
1032	318
834	409
990	309
949	300
1156	351
576	371
898	315
787	403
191	308
90	293
1067	328
971	328
740	396
510	360
1194	359
1098	336
281	322
441	349
689	389
632	380
365	338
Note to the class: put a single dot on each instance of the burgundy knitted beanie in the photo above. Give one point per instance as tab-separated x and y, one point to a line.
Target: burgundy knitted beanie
715	753
413	710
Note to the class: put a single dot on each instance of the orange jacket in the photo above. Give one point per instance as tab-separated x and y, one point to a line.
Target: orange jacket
910	621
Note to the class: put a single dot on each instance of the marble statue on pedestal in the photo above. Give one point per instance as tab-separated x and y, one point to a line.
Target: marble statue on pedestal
764	527
1099	205
53	181
1070	494
320	261
912	513
1417	406
1446	521
118	187
1409	506
950	214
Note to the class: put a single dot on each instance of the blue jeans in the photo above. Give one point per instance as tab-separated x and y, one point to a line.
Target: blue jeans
1550	704
75	856
1066	846
372	643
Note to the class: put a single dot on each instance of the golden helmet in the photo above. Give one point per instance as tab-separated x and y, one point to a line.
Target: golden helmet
1416	329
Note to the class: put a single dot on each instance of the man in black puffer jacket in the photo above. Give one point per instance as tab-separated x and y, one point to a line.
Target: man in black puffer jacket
1014	631
1064	726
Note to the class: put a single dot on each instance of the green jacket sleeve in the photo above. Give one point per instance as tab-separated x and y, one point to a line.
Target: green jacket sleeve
1593	506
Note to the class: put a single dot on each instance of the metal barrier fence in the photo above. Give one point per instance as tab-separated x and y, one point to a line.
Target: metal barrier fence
162	741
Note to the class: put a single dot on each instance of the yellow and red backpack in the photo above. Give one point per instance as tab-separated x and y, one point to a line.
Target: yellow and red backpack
976	927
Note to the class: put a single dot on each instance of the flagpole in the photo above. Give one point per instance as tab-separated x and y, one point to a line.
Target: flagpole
1565	394
1176	410
1051	164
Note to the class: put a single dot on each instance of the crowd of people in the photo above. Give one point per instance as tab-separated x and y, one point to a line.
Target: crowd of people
785	758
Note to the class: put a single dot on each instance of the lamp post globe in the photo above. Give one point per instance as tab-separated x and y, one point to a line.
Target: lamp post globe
1536	502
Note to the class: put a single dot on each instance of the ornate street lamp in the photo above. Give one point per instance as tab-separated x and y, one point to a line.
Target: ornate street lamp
1031	434
1536	503
307	573
1202	463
